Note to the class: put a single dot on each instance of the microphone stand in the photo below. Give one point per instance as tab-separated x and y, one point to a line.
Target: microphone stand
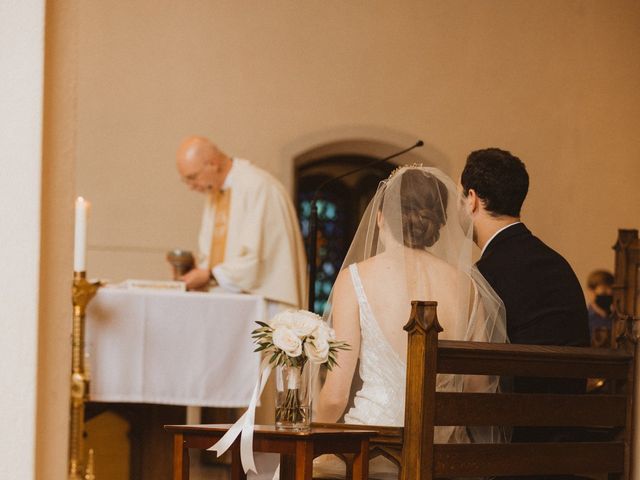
313	219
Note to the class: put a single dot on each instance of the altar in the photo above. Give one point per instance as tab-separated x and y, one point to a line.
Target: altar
172	348
150	353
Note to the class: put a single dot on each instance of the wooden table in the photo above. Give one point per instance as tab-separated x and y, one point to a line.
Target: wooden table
297	449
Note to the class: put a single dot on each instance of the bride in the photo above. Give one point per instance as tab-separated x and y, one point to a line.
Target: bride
413	243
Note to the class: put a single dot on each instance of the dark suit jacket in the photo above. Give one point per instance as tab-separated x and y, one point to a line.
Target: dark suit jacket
541	294
544	304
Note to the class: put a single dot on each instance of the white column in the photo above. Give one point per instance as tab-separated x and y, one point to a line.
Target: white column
21	100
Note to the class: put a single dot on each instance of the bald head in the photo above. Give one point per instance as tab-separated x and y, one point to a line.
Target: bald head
201	164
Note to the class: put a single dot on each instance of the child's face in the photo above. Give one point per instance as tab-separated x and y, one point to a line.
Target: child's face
602	290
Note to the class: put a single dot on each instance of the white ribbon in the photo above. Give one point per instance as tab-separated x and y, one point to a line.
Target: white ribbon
245	425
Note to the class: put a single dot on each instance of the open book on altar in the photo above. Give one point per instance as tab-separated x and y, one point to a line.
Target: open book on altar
134	284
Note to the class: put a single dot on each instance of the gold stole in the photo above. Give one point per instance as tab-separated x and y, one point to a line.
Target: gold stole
222	201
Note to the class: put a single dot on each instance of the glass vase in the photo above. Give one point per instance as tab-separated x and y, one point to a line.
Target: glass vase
293	401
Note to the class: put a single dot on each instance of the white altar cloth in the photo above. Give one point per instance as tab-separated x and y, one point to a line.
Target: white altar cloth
172	348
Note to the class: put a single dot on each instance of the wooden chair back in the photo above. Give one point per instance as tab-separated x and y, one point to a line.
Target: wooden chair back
412	446
626	287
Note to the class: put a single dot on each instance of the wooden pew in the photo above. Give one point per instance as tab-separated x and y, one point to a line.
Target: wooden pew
412	449
626	287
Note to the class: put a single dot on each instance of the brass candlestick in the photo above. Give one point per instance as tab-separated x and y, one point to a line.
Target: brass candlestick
82	293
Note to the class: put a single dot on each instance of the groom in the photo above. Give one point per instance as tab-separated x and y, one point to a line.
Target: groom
542	296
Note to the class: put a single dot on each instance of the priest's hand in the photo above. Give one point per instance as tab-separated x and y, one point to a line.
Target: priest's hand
196	278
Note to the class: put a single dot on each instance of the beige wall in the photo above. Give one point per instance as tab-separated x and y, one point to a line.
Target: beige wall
555	82
21	77
59	138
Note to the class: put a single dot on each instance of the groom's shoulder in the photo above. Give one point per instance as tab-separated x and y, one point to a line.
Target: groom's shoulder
519	247
547	251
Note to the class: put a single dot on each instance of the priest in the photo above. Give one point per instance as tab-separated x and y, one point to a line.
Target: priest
249	236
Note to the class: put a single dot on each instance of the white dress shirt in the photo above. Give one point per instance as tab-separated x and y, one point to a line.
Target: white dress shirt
495	234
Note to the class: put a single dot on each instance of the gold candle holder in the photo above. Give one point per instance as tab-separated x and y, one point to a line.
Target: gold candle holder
82	293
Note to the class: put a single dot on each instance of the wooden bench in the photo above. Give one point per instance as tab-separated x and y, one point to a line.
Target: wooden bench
412	449
626	287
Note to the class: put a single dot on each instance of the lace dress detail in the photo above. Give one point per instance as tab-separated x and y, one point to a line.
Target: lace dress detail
380	401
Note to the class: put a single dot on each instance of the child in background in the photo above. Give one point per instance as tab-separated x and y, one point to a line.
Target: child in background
599	301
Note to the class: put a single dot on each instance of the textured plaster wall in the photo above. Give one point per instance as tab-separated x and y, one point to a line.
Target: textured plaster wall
555	82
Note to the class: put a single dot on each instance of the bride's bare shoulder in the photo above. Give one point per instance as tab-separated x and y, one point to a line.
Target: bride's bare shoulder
366	269
382	265
343	284
441	266
374	266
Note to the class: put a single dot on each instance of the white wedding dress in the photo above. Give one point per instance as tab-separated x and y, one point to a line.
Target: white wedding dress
414	242
380	401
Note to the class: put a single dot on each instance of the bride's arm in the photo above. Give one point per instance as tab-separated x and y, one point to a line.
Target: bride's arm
346	323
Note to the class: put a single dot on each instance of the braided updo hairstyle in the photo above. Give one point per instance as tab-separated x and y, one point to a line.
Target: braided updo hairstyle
423	206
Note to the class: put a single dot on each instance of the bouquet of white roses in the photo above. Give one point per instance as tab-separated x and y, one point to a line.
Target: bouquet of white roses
290	340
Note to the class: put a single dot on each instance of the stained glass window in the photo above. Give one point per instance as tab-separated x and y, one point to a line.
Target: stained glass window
332	238
340	207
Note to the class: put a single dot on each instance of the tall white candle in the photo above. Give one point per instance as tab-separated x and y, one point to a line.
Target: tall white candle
80	237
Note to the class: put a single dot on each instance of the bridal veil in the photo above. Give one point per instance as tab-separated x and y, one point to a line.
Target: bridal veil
414	242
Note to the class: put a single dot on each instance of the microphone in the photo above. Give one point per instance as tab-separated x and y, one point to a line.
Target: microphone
313	218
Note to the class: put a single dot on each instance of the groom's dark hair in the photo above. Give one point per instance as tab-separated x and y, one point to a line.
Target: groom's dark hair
499	179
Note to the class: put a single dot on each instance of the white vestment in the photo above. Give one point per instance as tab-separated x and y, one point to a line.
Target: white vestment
264	252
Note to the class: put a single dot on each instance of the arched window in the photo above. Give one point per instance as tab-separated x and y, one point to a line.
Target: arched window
340	207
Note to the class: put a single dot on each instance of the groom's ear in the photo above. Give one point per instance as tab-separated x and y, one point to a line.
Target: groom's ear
473	202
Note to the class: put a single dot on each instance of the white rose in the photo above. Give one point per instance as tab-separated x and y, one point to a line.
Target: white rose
317	350
304	323
287	341
301	322
324	333
282	319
